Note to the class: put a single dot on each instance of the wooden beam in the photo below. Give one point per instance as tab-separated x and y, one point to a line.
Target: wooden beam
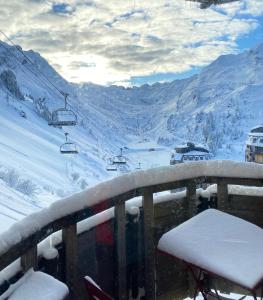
191	198
149	247
70	241
236	181
120	218
29	260
222	195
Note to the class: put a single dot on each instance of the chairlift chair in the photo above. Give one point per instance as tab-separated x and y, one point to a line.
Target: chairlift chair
22	114
119	159
138	167
63	116
68	147
110	166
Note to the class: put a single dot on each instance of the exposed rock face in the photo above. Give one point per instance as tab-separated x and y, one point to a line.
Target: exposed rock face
8	78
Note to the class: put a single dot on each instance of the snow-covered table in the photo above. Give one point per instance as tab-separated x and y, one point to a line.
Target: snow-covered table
219	244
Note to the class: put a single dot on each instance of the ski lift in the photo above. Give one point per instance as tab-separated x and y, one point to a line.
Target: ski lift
68	147
63	116
138	167
119	159
22	114
110	166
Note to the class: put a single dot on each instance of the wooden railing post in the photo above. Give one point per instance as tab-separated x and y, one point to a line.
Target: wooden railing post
121	251
149	248
191	211
70	241
191	198
29	260
222	196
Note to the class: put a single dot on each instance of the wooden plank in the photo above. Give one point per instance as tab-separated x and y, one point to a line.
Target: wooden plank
222	196
149	248
236	181
29	260
244	202
191	198
120	218
70	241
191	211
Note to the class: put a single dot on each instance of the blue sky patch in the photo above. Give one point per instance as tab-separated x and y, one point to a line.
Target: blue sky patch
62	8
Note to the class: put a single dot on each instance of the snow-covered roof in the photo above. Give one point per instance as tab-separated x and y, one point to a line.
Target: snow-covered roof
122	184
255	134
258	128
189	147
221	244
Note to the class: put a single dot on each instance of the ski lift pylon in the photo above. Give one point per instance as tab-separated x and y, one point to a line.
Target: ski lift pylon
63	116
68	147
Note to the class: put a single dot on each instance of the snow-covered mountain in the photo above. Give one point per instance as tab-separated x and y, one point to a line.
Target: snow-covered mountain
216	107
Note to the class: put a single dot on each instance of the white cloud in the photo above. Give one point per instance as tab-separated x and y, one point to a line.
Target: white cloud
110	41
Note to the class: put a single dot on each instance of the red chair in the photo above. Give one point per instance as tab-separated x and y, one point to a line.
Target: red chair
94	291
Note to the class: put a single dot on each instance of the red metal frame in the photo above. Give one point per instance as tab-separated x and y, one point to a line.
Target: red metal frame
197	274
95	293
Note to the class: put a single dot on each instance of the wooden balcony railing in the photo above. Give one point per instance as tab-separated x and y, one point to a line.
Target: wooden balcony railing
65	214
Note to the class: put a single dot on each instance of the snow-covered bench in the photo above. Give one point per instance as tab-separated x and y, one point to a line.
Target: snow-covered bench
37	285
217	243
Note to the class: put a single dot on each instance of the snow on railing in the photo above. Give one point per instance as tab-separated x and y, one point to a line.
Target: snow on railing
64	214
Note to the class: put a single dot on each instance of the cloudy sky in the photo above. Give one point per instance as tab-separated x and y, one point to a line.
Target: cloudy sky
130	42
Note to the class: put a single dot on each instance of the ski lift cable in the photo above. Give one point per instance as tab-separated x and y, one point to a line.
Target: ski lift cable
30	61
20	102
42	74
33	64
8	93
17	59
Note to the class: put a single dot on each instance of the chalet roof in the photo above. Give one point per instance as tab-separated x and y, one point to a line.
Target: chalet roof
257	129
190	147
